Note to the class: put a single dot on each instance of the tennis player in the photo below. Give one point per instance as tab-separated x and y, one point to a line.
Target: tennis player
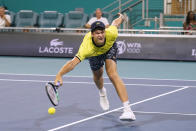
99	47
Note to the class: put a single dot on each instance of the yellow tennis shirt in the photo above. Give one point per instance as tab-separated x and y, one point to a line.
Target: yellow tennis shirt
88	49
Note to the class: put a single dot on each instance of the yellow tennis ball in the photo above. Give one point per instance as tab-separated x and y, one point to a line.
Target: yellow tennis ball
51	110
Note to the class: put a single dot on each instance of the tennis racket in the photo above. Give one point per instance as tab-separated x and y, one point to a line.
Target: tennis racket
52	93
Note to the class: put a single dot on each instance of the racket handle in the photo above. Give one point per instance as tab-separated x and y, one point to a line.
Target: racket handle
58	84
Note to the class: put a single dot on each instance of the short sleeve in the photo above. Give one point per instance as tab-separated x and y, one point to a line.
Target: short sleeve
112	31
83	51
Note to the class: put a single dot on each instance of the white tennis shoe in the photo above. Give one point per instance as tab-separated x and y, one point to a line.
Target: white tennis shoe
104	103
127	115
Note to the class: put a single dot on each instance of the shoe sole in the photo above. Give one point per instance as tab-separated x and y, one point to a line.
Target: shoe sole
130	120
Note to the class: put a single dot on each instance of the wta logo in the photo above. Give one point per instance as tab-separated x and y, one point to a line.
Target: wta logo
56	47
131	48
121	47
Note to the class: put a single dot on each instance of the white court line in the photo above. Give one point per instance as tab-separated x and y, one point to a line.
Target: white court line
92	83
136	103
91	77
165	113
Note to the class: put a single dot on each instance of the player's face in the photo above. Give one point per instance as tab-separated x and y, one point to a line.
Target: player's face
99	36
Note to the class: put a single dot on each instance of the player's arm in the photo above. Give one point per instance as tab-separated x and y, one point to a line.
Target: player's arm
70	65
118	20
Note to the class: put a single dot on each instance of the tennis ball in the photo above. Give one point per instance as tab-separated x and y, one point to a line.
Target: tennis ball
51	110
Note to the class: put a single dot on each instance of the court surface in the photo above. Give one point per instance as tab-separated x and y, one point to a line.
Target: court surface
162	102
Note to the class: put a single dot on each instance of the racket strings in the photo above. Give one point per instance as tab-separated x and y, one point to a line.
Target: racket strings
52	93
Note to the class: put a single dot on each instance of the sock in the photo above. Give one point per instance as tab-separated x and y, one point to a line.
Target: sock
102	91
126	106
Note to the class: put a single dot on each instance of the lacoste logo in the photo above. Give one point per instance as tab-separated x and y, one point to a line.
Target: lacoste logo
55	42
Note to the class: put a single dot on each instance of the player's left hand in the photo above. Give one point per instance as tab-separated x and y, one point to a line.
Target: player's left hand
121	16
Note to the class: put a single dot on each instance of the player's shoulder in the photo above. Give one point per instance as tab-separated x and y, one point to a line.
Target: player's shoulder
112	28
87	37
112	31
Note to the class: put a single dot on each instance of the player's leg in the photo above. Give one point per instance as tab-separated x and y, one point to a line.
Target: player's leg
111	70
98	78
96	64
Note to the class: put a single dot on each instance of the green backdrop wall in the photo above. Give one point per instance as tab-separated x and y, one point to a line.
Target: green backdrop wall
66	5
62	6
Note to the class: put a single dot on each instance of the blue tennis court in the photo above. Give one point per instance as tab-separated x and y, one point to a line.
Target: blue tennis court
161	102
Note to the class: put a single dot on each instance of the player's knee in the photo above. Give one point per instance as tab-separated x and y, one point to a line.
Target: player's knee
97	77
112	75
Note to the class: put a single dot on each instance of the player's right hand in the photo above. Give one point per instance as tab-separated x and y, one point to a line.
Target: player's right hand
58	80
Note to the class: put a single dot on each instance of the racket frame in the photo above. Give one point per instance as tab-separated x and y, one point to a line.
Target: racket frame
56	93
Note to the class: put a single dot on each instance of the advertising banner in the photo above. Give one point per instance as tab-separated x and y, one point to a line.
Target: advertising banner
66	45
160	48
